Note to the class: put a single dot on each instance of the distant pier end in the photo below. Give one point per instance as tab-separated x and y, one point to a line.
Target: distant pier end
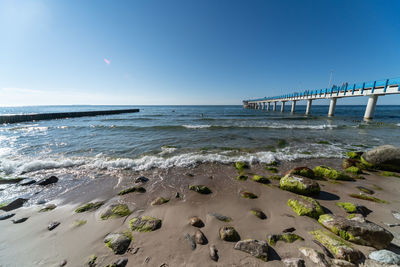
63	115
372	89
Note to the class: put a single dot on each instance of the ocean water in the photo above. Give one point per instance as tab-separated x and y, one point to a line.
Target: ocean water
167	136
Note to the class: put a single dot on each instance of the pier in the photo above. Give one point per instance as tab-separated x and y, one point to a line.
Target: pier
372	90
63	115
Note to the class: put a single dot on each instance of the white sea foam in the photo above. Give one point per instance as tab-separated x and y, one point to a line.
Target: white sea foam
20	166
270	126
196	126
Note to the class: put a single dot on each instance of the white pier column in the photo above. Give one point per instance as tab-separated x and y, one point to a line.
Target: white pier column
369	111
268	104
332	107
293	106
274	108
263	107
309	101
283	106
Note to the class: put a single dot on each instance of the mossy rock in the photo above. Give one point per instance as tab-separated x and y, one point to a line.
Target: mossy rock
79	223
275	177
48	207
302	171
259	214
353	170
249	195
202	189
338	247
347	206
256	248
118	242
115	211
145	224
306	206
159	201
228	233
347	163
368	198
354	154
271	169
365	190
89	206
299	185
92	261
329	173
241	166
272	163
132	189
389	174
260	179
286	237
220	217
242	177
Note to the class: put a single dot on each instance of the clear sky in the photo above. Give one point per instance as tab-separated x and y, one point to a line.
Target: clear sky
191	52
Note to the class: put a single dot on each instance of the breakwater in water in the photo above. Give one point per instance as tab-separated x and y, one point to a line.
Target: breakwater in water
62	115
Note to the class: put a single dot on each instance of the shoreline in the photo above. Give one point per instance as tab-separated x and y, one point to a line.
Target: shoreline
30	241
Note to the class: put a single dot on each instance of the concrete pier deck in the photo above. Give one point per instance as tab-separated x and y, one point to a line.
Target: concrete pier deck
62	115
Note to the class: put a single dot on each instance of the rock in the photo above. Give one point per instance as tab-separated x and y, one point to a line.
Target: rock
315	256
10	180
202	189
392	224
177	195
362	233
141	179
339	248
240	166
293	262
27	181
16	204
52	225
342	263
40	202
159	201
364	211
356	217
188	174
256	248
299	185
196	222
214	253
353	170
118	242
6	216
242	177
20	220
92	261
228	233
121	262
396	214
347	206
220	217
145	224
63	263
354	155
306	206
385	256
115	211
365	190
289	230
347	163
137	189
329	173
302	171
191	241
200	238
247	194
89	206
260	179
258	213
47	181
48	208
384	157
287	238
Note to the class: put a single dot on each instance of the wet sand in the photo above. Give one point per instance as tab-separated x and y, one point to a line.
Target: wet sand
31	244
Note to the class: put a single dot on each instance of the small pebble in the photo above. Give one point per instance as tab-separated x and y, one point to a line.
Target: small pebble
53	225
214	253
289	230
20	220
63	263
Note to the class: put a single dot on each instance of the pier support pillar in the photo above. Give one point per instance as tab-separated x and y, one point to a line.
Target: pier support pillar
263	107
369	110
268	104
332	107
308	108
274	108
283	106
293	106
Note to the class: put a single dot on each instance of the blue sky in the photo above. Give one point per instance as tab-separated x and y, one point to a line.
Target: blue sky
191	52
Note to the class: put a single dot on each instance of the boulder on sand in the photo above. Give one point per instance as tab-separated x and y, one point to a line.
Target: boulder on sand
19	202
118	242
384	157
256	248
302	171
228	233
299	185
145	224
47	181
306	206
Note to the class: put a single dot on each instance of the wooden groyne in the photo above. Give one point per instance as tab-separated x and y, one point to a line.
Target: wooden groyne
62	115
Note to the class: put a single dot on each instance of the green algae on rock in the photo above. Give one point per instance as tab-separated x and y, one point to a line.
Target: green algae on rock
132	189
339	248
286	237
259	214
369	198
354	154
275	177
202	189
260	179
115	211
365	190
89	206
228	233
145	224
271	169
79	222
302	171
220	217
329	173
306	206
118	242
48	207
353	170
256	248
389	174
249	195
299	185
347	206
159	201
240	166
242	177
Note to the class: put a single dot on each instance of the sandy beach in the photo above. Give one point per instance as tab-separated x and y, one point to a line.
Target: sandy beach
31	244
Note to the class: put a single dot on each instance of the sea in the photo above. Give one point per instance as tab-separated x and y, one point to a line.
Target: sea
183	136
